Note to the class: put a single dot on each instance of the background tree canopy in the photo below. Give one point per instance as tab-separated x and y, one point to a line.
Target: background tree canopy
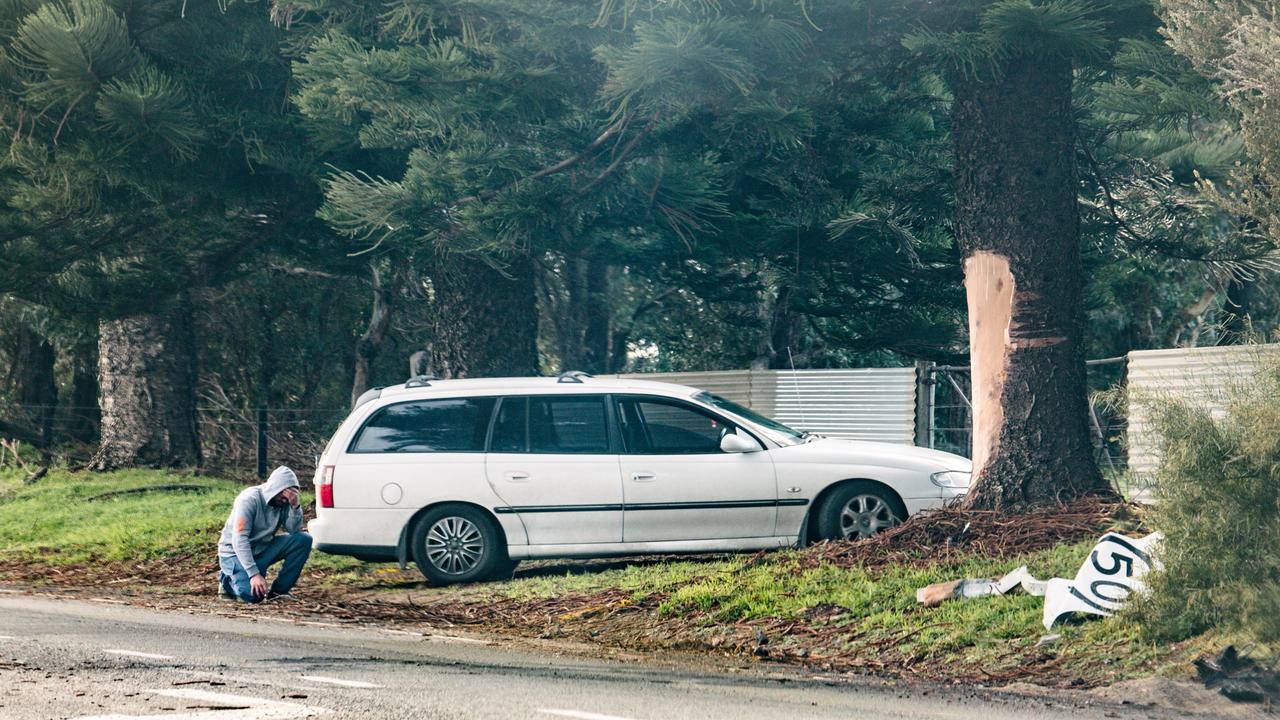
225	206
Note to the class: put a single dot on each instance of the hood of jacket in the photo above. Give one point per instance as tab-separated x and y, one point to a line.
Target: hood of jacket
282	478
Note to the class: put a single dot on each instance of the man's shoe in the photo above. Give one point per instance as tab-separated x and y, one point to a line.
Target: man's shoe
280	597
224	595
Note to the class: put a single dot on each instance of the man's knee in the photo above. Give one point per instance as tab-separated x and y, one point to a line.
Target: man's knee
299	542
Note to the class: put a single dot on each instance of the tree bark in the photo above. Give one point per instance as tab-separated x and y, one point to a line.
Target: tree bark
570	318
598	329
146	372
83	415
35	387
484	321
370	343
1017	224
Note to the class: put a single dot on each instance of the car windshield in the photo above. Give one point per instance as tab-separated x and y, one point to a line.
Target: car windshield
776	430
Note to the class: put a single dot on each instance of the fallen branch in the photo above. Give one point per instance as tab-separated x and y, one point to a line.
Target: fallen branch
168	487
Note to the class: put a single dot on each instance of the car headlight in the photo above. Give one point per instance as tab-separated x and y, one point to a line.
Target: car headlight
954	479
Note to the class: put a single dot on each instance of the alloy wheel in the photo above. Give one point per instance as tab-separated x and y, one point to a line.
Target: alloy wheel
454	545
864	516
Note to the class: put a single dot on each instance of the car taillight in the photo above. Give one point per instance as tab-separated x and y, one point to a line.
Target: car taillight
324	490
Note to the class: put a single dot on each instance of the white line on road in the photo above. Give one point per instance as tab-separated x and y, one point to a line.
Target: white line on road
579	715
456	639
339	681
135	653
239	707
6	637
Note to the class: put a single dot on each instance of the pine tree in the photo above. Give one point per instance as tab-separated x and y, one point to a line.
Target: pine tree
144	142
1011	66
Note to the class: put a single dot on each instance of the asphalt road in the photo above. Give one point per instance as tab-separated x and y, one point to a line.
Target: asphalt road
71	659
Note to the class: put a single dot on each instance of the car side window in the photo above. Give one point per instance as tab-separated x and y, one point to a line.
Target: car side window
421	426
659	427
551	424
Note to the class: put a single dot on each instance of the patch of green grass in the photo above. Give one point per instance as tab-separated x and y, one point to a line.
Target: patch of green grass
72	517
63	518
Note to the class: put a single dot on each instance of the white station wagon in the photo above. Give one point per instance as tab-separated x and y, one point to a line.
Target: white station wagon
468	477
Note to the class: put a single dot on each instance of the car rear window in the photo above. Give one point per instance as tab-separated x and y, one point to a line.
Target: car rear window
453	425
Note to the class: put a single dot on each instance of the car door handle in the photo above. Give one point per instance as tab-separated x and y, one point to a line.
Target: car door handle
643	477
517	477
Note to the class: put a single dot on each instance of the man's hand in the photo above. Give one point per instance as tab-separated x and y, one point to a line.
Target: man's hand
258	585
291	494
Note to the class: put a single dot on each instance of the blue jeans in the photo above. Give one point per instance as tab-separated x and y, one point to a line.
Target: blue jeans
292	549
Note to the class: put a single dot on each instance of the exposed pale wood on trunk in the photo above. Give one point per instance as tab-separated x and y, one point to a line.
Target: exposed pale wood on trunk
989	288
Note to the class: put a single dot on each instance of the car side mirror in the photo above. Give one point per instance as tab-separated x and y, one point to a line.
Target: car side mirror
735	443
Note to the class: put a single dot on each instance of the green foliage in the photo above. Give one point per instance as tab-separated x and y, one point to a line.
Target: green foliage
1218	506
976	42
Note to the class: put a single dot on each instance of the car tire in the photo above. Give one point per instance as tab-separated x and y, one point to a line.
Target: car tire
459	544
858	510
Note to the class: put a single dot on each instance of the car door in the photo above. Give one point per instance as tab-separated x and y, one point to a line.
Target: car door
552	462
677	482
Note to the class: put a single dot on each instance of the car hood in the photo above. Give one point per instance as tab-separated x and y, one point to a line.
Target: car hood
863	452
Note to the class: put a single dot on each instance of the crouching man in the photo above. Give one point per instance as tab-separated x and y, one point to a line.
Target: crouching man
250	543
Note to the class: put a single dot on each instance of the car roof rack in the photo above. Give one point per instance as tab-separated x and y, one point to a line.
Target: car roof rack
418	381
572	376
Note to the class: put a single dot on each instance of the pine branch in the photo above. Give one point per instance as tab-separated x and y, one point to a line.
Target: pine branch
559	167
617	161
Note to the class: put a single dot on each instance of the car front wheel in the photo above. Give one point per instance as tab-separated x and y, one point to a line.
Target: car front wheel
459	544
858	510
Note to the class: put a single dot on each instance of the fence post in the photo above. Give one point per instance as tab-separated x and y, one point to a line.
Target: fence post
262	442
924	403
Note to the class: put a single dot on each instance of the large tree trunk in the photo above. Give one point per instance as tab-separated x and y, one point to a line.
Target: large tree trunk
1017	224
485	321
146	372
35	388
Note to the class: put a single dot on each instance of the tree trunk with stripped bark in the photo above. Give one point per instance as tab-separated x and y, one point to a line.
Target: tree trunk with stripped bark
1018	227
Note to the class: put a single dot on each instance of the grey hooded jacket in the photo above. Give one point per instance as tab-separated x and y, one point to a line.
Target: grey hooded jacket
254	521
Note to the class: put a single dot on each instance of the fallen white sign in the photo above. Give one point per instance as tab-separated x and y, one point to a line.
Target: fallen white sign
1112	572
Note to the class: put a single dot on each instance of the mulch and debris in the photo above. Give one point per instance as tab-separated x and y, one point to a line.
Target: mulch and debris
944	535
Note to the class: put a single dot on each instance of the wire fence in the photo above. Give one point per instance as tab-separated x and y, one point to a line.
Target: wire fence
950	424
234	440
241	440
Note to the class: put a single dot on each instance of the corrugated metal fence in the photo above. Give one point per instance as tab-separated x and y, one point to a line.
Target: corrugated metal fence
1206	376
860	404
880	403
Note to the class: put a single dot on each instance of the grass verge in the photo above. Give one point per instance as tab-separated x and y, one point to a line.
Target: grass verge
791	606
